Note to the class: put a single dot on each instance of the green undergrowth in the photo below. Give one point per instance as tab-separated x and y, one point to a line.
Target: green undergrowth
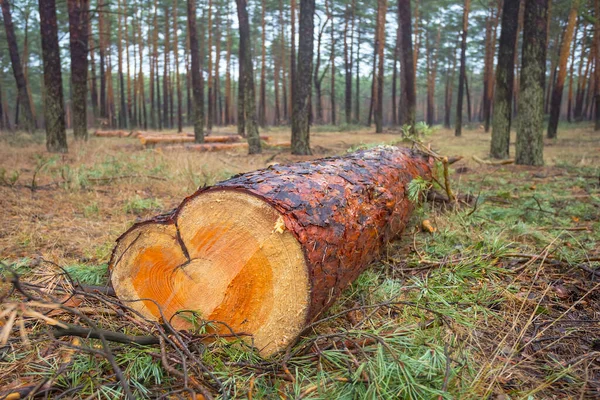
436	318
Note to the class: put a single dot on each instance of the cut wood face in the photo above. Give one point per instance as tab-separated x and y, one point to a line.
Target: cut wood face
225	255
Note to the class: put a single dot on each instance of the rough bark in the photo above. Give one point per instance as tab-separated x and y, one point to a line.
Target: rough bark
198	108
56	136
78	42
247	75
318	76
529	145
28	121
332	62
262	109
380	44
348	62
505	74
557	91
102	36
571	71
432	61
407	64
462	75
302	88
330	218
167	40
357	91
177	74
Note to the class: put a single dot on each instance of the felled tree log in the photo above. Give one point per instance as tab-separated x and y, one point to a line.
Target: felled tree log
267	252
111	133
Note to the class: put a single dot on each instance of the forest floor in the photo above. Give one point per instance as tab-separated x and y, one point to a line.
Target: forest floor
502	301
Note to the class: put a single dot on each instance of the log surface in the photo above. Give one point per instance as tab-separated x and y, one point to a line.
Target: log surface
342	210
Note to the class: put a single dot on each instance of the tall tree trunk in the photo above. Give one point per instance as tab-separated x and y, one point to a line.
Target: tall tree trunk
395	78
357	91
154	97
167	41
78	30
557	92
262	109
56	136
228	96
144	115
380	44
196	74
247	75
332	61
93	77
25	63
407	65
122	106
102	39
529	146
349	15
301	110
571	70
554	54
462	76
177	74
580	87
292	56
217	105
188	81
373	85
209	115
432	55
417	34
23	98
505	73
129	94
488	88
284	86
318	77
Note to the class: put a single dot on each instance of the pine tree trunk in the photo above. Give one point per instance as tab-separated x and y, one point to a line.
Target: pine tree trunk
123	108
293	65
29	123
332	61
505	73
262	110
56	136
167	41
93	77
228	96
284	90
301	106
529	146
217	105
565	49
177	74
247	75
144	115
102	35
380	44
198	109
407	65
357	91
571	71
462	75
432	55
78	30
348	64
395	78
318	77
582	60
209	114
129	94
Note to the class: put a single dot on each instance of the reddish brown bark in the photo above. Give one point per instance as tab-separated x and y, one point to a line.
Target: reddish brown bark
341	210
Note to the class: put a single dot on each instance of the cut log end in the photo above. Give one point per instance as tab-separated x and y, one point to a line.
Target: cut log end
226	255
